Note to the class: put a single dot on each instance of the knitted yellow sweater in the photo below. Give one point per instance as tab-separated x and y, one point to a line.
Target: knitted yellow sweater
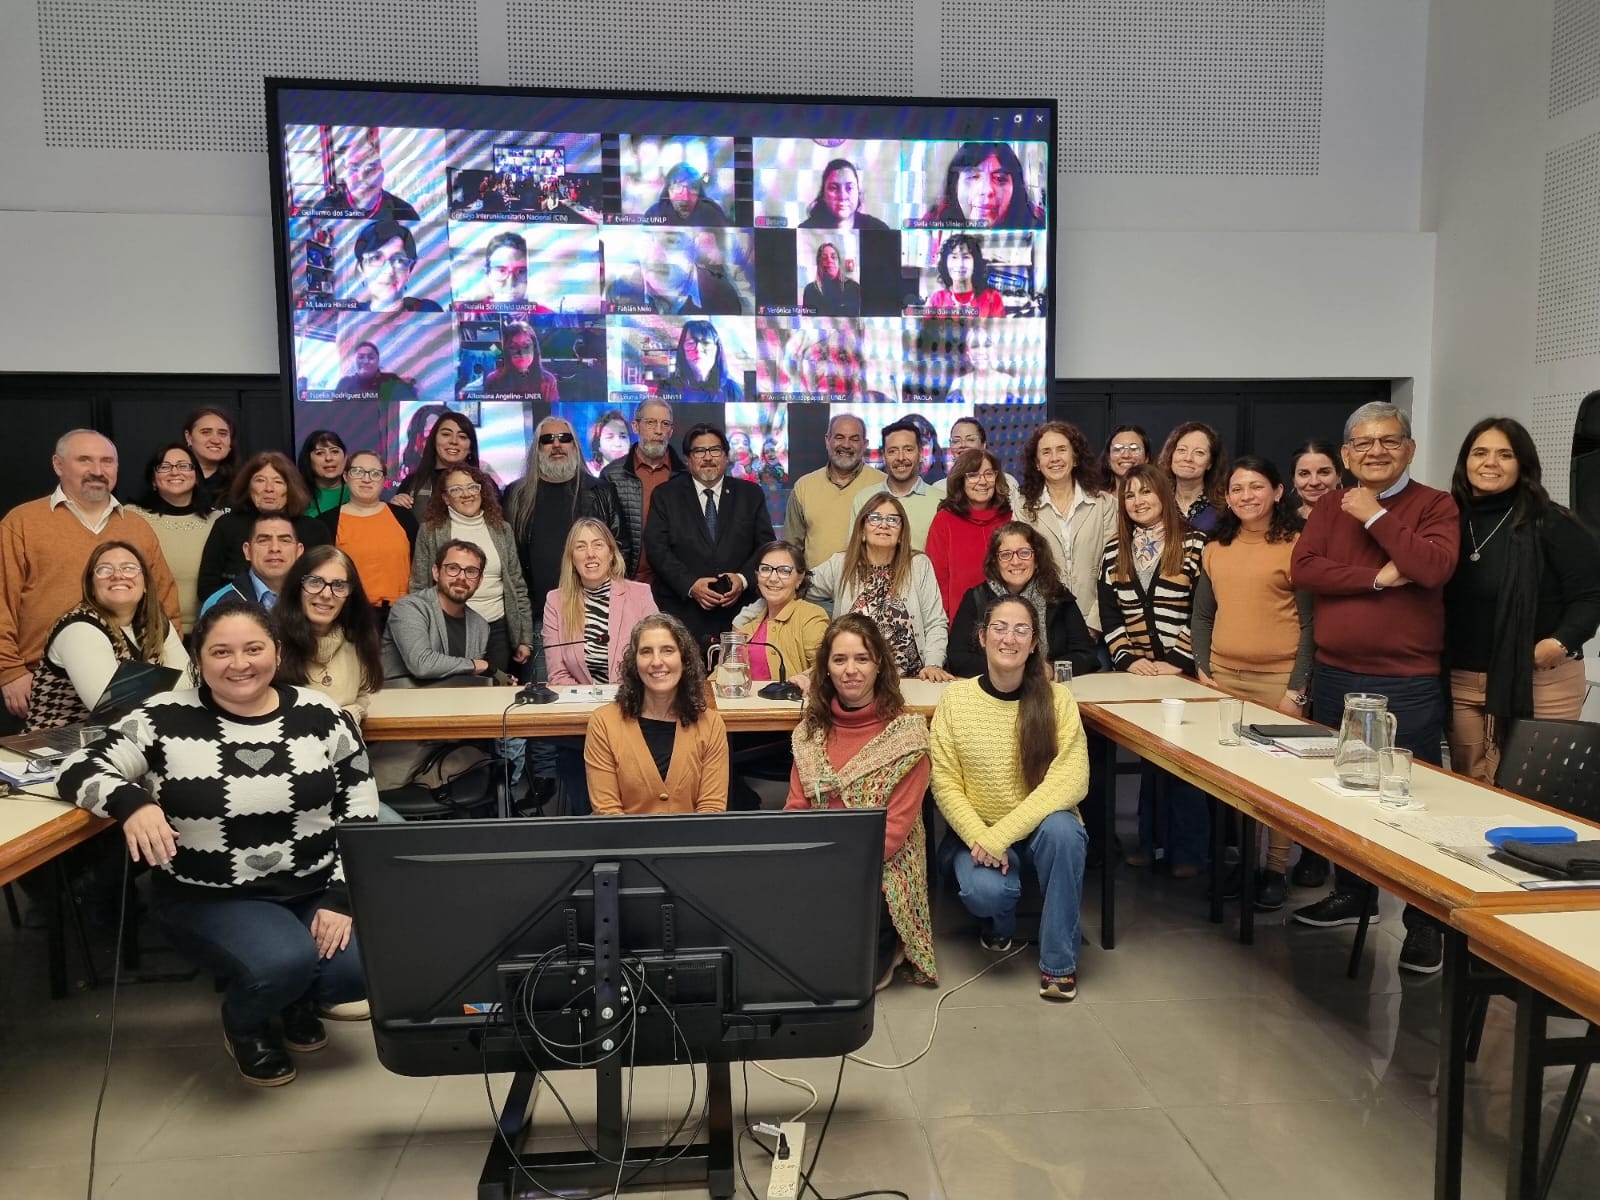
977	771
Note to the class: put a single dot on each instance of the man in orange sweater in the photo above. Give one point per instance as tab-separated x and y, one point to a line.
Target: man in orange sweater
44	545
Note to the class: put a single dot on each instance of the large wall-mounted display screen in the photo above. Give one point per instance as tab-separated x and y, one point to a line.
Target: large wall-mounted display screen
761	263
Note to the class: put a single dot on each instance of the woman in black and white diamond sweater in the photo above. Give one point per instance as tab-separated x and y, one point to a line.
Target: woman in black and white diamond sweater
234	791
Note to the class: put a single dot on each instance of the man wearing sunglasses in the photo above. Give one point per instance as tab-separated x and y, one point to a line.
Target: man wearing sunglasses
554	491
434	635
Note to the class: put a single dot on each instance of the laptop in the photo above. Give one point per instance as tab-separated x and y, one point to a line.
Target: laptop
131	685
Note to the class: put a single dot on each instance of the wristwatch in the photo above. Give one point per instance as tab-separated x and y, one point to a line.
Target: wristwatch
1300	698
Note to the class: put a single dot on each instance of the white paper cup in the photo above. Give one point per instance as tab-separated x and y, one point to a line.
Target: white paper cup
1172	712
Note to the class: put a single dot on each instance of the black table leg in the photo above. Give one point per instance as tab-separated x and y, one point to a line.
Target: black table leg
1452	1068
1219	842
1527	1097
1247	880
1108	856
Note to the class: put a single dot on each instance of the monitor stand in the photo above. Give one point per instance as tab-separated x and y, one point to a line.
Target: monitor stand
513	1169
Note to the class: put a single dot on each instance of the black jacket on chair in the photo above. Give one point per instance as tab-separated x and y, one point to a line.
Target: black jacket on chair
680	550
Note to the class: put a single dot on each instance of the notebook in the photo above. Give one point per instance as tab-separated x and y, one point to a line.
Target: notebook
1303	741
131	685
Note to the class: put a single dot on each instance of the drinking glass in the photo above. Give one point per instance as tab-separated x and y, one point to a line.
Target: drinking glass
1230	715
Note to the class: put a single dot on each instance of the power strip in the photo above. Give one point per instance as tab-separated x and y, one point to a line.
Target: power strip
784	1183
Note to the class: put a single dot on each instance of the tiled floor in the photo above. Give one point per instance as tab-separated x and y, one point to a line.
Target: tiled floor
1189	1067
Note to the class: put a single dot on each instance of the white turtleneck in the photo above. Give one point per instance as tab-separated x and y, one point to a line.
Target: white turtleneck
489	602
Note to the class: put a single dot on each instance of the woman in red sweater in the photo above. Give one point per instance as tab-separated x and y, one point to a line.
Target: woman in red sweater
977	501
857	747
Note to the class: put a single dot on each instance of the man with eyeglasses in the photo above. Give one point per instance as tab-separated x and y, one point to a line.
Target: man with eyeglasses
822	502
554	491
674	278
44	545
358	190
901	445
636	476
386	254
1376	557
434	635
704	537
269	552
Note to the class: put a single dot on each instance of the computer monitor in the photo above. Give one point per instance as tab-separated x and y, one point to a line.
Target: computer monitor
756	930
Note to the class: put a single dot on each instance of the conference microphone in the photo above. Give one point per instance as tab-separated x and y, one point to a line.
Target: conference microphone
782	689
537	692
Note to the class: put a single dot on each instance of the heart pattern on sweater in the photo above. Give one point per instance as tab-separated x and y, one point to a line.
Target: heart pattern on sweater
263	862
254	759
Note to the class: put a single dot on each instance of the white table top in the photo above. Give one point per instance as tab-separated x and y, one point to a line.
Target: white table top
1113	687
1444	794
22	814
1575	934
1555	952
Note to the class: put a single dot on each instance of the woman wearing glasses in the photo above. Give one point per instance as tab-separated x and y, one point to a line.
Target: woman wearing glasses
701	374
879	575
182	516
329	634
1127	447
378	537
1010	767
118	620
792	627
977	501
1020	563
465	508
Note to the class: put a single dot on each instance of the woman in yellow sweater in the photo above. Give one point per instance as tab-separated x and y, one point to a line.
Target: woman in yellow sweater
1010	766
1251	629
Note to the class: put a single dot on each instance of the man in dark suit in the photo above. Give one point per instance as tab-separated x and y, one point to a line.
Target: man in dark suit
702	537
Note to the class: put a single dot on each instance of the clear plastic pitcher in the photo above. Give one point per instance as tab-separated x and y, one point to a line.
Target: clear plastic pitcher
728	664
1367	728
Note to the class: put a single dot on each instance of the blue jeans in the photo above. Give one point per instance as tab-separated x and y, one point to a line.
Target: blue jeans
1055	852
1188	824
1417	702
264	949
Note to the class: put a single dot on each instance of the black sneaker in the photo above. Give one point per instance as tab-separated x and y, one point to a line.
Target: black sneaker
1423	951
1338	908
1271	891
1311	871
1233	885
261	1058
302	1028
994	943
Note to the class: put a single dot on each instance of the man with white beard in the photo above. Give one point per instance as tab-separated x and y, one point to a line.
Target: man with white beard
553	493
636	475
821	504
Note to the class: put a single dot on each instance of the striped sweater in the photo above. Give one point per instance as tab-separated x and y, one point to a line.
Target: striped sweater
1151	624
255	801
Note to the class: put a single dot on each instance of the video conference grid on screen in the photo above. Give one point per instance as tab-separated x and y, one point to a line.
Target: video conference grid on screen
510	273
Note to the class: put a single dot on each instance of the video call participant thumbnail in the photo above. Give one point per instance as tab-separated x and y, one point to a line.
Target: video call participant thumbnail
781	289
505	276
368	380
964	278
521	373
683	201
386	254
357	190
702	372
839	200
985	187
673	276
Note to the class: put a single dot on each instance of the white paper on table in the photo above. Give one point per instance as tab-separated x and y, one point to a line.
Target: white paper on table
1448	831
585	693
21	774
1330	783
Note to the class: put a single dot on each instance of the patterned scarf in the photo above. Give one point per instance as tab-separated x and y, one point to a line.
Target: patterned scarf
867	781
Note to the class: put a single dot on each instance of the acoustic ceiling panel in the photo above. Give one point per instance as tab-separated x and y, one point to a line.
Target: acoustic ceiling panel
1551	426
1170	87
759	46
1568	318
187	74
1574	55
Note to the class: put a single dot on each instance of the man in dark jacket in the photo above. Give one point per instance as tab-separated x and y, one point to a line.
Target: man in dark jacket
544	503
638	473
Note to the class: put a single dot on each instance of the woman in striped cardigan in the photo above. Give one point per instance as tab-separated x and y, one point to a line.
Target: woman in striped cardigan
1147	580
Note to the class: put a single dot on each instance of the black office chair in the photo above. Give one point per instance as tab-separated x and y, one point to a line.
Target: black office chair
1555	763
456	779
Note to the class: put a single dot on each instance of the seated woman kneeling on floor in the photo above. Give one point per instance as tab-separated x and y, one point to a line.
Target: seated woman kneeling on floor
235	788
1010	766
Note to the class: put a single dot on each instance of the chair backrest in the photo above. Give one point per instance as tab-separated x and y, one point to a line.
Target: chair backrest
1555	763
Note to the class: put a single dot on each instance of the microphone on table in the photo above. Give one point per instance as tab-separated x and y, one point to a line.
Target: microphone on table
782	689
537	692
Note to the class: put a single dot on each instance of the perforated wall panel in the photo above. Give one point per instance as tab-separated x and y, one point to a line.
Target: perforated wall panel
1568	324
1551	427
760	46
1172	87
1574	55
186	74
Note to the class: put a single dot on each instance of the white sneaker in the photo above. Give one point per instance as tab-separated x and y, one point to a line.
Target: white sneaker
351	1010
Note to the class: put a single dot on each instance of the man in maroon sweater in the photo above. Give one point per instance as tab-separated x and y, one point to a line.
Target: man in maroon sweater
1376	558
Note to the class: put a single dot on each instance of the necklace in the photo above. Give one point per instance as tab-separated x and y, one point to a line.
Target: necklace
1477	546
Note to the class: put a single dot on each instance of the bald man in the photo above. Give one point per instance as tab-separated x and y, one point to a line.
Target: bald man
822	503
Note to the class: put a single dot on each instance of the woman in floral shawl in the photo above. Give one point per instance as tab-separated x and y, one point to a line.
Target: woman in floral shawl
856	747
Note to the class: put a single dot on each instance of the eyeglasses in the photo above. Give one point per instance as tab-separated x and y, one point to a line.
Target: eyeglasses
1391	442
887	520
182	468
456	570
550	439
377	262
1126	447
315	584
999	629
125	570
365	472
1022	555
774	570
704	451
982	476
462	490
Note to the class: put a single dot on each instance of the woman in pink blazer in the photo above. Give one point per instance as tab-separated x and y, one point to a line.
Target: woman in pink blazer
597	608
594	605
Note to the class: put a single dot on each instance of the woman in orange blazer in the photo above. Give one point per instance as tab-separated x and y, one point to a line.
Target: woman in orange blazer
658	748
